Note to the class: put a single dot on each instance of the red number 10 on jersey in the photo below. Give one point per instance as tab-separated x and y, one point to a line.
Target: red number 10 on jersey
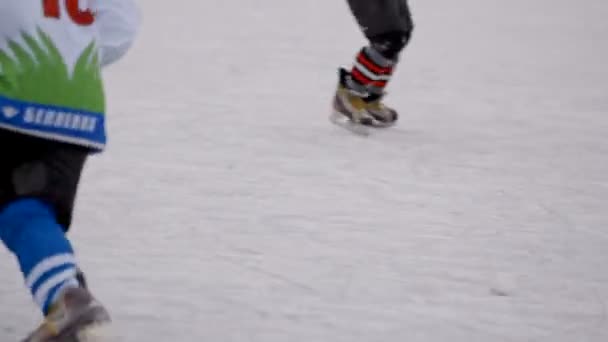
52	9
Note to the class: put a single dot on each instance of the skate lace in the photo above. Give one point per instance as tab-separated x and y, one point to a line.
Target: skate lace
377	106
354	99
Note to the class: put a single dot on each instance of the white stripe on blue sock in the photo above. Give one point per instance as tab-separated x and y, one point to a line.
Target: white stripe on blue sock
48	265
41	296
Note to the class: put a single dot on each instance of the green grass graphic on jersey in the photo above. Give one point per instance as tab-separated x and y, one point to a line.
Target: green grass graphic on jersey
41	75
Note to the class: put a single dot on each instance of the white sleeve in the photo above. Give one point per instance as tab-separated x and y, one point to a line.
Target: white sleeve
117	24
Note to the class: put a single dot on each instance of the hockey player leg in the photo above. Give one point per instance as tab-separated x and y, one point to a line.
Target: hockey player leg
35	213
388	26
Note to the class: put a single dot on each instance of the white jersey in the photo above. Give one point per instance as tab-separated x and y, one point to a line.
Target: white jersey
51	55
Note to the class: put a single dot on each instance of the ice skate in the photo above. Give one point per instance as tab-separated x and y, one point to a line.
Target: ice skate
360	107
349	103
383	115
75	317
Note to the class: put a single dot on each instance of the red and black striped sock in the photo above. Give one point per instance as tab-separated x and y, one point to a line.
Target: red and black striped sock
371	71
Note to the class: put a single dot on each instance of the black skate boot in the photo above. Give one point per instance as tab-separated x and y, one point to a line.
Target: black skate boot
75	317
383	115
349	102
360	106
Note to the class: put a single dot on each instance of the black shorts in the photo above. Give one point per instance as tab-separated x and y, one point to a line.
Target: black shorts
376	17
37	168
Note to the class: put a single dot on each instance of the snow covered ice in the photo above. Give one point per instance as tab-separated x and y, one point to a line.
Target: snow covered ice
227	208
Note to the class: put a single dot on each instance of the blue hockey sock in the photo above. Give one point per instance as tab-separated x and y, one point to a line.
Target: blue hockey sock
29	229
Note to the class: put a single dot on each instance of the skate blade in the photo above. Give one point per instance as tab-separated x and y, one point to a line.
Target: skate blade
340	120
381	125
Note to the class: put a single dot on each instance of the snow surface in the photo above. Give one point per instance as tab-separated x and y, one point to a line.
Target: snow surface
228	209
